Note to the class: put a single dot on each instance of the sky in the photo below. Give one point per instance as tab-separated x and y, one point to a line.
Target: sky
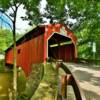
3	20
22	26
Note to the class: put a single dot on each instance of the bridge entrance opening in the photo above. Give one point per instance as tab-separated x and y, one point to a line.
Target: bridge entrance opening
60	47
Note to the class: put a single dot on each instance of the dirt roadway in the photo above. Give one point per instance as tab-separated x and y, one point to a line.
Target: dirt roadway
89	79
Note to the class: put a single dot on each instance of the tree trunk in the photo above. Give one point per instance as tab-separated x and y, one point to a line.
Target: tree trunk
14	58
14	68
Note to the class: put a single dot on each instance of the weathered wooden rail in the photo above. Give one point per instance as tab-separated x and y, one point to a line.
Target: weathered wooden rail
66	80
88	61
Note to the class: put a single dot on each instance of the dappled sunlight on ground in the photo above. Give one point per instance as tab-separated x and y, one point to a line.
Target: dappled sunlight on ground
89	87
89	79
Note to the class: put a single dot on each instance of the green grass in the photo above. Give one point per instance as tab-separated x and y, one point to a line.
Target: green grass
45	87
1	64
48	86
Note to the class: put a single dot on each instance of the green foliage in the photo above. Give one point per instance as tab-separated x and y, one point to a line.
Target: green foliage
32	7
5	39
14	5
86	37
1	65
32	82
48	85
53	11
86	13
4	4
87	26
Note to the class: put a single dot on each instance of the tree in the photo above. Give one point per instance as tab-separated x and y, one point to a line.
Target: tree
5	5
86	13
53	11
87	29
59	11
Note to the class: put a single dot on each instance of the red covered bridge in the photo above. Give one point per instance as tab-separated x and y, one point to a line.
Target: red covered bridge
55	40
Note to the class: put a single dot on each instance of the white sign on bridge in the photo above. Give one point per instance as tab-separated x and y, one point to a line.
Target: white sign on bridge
63	31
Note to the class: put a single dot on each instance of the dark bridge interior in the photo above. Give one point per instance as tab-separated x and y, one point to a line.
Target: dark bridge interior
60	47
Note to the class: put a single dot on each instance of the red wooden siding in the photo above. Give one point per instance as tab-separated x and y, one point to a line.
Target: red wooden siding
55	28
31	52
35	50
65	53
9	57
28	53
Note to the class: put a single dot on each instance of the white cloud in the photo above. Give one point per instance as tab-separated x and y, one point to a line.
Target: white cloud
21	25
72	20
43	5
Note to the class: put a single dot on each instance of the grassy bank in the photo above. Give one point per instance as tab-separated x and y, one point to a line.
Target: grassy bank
47	88
6	81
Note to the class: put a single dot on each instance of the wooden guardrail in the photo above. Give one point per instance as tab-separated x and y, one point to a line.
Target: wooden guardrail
89	61
66	80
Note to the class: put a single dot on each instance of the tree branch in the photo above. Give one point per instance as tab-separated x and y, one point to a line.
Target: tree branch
18	5
12	8
14	3
6	14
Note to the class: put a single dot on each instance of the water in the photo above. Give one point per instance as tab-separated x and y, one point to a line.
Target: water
5	84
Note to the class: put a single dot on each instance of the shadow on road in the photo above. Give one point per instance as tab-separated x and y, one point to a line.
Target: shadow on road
89	79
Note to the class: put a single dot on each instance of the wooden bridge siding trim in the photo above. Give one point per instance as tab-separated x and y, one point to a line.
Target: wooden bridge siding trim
50	29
